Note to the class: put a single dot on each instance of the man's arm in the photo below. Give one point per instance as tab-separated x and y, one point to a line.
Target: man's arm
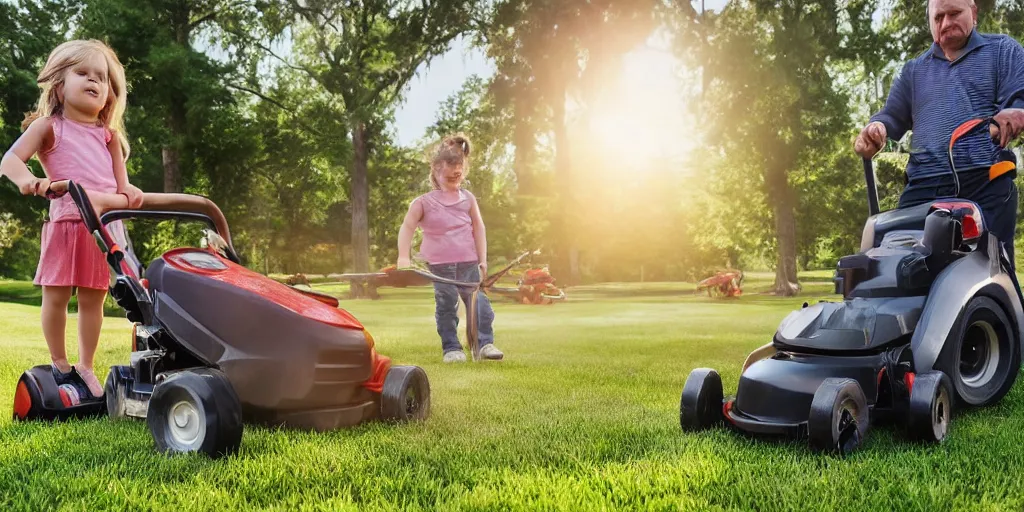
1011	75
897	114
1010	93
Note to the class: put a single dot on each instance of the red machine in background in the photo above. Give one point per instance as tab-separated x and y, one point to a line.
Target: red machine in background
727	283
535	286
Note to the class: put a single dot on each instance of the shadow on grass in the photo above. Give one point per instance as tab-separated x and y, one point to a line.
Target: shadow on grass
27	294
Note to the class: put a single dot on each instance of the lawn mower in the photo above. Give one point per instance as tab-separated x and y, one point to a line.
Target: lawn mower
535	287
726	283
215	344
414	276
930	321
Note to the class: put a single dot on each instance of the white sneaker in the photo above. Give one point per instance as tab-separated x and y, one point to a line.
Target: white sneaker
455	356
489	351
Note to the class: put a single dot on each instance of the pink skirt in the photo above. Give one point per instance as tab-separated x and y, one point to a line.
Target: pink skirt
69	256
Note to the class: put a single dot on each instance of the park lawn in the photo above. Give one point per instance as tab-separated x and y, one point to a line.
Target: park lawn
582	415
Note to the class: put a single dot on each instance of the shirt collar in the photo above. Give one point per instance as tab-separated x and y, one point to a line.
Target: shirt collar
974	41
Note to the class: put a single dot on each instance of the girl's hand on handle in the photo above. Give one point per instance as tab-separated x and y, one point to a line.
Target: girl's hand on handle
403	263
133	194
56	189
35	187
483	271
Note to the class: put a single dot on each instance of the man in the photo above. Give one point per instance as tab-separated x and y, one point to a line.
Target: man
964	75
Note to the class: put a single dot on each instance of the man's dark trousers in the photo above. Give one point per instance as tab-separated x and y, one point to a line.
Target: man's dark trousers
997	199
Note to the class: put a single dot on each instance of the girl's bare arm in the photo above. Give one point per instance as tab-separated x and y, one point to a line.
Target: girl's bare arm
38	137
405	233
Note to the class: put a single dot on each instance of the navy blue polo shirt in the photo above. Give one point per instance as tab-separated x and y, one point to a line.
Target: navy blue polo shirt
932	96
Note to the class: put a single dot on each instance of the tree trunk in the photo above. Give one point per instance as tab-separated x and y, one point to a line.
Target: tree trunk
358	200
522	138
176	120
786	283
172	169
566	266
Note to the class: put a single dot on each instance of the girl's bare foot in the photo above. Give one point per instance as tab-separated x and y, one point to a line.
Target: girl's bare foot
91	381
61	365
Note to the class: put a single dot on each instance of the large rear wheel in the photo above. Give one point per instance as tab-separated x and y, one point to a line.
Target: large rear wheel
981	355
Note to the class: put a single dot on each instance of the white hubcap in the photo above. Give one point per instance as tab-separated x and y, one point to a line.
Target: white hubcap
186	423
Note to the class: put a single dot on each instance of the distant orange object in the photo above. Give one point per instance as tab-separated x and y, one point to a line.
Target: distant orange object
297	279
538	287
726	283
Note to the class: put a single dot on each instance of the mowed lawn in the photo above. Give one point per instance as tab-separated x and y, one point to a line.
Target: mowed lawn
583	414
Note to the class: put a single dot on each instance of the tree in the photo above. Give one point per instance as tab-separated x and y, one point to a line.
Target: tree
365	53
772	91
548	53
176	85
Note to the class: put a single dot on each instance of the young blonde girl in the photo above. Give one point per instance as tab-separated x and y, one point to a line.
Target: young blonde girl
454	245
77	132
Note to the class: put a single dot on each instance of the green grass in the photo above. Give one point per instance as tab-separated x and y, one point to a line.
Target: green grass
582	415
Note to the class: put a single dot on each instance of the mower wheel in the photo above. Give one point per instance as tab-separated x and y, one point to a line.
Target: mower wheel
196	410
114	391
700	406
981	355
406	394
931	407
839	420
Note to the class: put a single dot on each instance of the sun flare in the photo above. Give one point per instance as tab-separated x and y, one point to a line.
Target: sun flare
645	109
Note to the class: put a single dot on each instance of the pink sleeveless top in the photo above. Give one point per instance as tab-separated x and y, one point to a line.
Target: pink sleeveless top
79	153
447	229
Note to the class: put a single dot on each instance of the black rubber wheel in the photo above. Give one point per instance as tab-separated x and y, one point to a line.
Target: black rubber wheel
114	391
931	407
981	356
700	406
406	394
196	411
839	419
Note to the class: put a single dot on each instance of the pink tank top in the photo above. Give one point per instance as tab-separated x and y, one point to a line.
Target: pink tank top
447	229
79	153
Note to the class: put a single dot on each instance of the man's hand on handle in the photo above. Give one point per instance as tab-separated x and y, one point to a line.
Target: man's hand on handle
1007	125
870	140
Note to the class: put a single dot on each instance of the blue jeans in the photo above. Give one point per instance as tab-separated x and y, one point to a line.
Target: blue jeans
446	298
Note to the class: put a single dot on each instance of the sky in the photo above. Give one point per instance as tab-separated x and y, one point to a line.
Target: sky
445	76
432	85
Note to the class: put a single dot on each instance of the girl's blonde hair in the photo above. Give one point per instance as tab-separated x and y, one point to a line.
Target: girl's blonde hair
51	80
454	150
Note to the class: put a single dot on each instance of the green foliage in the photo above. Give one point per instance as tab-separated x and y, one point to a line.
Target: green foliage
263	102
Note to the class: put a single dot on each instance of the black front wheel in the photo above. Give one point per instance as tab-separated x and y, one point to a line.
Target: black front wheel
839	419
700	406
196	411
931	407
406	394
114	391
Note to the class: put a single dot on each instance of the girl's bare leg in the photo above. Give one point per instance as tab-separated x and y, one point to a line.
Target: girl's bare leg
90	321
55	318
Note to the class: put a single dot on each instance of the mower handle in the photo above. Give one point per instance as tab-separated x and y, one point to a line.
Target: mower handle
869	179
155	205
959	132
438	279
